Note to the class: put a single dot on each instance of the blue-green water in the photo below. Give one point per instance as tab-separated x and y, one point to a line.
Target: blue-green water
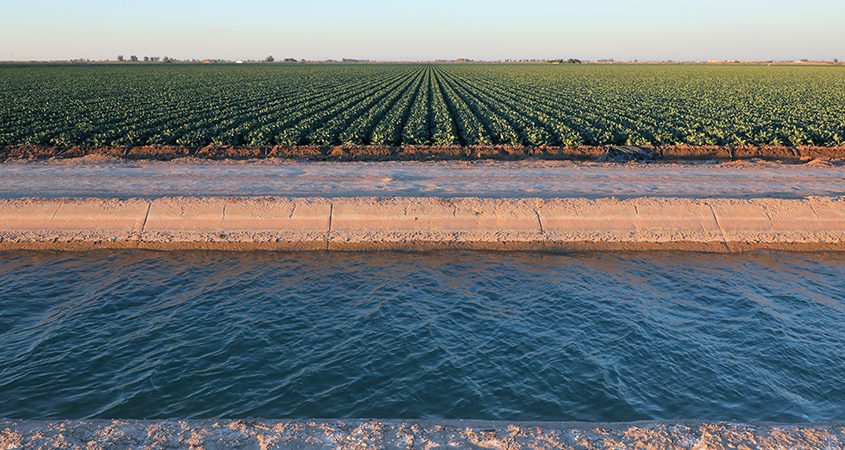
595	337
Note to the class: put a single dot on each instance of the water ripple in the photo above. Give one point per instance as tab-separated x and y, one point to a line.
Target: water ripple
521	336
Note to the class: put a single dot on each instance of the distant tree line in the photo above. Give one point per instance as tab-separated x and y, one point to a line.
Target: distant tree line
565	61
270	59
134	59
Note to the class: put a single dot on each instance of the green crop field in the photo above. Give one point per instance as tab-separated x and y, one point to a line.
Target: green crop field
397	104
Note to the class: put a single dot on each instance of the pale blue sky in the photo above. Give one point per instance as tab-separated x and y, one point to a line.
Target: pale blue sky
424	29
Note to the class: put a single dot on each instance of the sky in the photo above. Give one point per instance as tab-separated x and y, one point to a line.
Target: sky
424	29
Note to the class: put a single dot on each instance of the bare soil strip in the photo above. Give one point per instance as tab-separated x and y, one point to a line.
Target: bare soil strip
426	152
390	434
82	178
419	223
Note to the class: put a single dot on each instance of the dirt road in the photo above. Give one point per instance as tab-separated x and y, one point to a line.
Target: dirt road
487	179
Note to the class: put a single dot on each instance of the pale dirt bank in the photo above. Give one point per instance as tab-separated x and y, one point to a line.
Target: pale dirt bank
419	223
488	179
411	434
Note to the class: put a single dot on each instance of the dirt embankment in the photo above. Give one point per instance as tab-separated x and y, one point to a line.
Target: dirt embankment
385	153
420	223
425	434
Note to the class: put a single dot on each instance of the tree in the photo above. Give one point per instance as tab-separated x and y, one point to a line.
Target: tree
146	59
269	59
567	61
120	58
133	58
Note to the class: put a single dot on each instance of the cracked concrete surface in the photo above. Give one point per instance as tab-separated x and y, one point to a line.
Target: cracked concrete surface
413	223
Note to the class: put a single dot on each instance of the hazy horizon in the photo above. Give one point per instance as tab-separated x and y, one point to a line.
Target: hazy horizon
653	30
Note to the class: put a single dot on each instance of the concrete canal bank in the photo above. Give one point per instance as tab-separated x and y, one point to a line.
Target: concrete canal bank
418	223
407	434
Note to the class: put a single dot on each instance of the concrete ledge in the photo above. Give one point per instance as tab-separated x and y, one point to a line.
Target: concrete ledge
365	223
404	434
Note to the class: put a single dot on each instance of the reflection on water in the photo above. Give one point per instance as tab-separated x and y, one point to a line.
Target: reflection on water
597	337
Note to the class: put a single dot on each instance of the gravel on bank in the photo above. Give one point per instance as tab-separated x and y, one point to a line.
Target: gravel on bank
412	434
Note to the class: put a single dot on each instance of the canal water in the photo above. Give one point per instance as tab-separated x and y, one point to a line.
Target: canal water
515	336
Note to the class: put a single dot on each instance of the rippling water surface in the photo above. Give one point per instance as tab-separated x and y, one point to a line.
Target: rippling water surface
595	337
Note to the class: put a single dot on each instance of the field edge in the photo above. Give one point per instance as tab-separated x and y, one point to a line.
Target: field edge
429	153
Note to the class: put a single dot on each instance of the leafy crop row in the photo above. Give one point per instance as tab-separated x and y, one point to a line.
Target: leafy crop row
393	104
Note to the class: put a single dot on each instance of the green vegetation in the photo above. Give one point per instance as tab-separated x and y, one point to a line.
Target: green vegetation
450	104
